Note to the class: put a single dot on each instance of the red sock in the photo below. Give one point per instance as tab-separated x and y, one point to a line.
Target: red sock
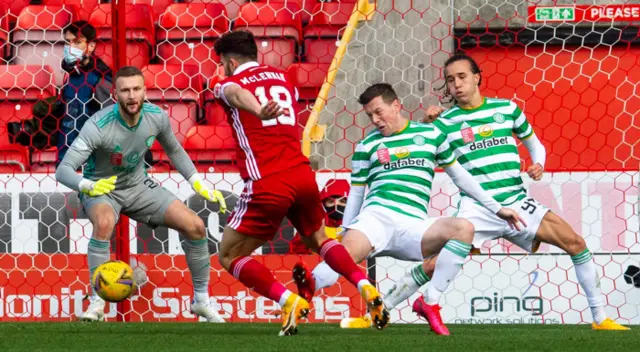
257	277
337	257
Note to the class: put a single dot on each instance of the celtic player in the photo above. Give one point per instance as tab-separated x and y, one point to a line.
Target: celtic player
113	143
481	133
396	162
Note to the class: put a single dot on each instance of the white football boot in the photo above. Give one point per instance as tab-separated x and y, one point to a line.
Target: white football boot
95	311
207	311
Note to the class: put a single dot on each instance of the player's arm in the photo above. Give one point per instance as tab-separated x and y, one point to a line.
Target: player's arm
238	97
88	140
360	164
524	131
463	179
185	166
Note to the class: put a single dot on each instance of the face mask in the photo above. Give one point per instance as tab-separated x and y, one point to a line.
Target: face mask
72	55
335	213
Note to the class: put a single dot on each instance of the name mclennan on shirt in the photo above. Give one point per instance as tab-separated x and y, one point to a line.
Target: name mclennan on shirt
263	76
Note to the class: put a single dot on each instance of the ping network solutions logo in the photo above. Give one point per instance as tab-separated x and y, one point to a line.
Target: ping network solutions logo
503	309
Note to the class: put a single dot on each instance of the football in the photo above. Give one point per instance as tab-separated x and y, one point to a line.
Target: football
113	281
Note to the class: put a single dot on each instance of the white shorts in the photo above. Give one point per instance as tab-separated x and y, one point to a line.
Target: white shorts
490	227
390	234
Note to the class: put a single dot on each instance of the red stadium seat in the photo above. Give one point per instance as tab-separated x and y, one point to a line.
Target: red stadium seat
308	78
187	32
206	144
140	33
214	113
21	86
13	8
4	34
176	89
157	6
278	29
44	161
274	20
329	19
84	8
232	6
306	7
38	36
325	29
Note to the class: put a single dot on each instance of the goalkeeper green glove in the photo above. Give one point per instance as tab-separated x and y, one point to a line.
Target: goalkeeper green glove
98	188
213	196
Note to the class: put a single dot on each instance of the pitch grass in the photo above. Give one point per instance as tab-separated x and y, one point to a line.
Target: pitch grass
139	337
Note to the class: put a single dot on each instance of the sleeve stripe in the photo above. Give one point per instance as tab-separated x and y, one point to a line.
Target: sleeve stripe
521	120
448	163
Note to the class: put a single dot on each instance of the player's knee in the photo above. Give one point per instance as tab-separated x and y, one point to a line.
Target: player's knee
463	230
194	229
103	227
576	244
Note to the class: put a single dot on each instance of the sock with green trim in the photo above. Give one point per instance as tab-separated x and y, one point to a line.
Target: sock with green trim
407	286
588	278
448	264
97	254
199	263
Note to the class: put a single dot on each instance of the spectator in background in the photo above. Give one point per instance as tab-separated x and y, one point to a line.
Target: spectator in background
334	199
88	87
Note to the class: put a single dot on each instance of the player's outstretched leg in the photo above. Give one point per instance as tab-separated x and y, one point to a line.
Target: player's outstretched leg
196	249
409	284
452	237
235	251
103	219
340	259
554	230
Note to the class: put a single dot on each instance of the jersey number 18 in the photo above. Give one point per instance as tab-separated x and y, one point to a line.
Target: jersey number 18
276	93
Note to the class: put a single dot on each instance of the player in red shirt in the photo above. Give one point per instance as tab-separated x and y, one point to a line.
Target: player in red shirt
278	179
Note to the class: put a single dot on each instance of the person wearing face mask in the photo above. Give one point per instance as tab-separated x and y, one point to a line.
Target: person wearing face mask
87	88
334	200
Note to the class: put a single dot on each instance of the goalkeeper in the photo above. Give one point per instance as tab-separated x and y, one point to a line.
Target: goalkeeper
113	144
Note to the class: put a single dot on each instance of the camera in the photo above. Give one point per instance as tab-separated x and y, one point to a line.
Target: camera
40	131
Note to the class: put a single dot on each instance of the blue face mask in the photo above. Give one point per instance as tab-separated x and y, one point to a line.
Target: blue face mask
72	55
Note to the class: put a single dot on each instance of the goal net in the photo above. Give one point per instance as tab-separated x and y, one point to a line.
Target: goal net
568	66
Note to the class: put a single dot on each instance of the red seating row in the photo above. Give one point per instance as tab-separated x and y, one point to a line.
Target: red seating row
186	33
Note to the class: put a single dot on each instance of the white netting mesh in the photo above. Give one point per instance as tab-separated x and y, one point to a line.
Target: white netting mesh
575	80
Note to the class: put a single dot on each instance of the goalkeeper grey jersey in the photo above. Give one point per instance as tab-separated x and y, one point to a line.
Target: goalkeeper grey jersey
111	148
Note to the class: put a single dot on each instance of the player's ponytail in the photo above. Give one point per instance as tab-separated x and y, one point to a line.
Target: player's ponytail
475	69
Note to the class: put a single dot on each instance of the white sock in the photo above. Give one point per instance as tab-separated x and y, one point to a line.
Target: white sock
408	285
362	283
588	278
324	276
202	297
283	299
448	264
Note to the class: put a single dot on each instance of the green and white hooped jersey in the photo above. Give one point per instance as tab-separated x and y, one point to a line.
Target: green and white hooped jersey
398	169
482	140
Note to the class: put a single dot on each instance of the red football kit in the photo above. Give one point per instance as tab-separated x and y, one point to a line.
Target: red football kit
278	179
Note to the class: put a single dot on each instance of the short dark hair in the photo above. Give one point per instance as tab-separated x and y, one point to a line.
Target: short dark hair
384	90
238	43
464	57
128	71
83	28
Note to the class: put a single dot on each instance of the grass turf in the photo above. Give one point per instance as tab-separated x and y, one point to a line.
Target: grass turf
311	337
